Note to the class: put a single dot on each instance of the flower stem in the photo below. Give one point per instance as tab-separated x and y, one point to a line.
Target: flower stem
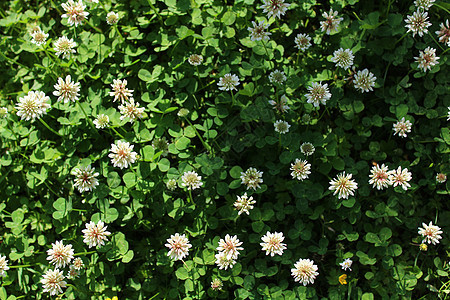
190	196
85	253
87	118
121	136
48	127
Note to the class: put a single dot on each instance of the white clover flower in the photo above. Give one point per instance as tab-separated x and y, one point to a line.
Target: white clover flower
318	93
3	112
65	47
131	110
77	263
224	262
228	82
244	204
275	8
281	126
277	77
95	234
364	81
417	23
183	112
216	284
273	243
344	185
424	4
343	58
280	106
39	37
444	33
307	149
431	233
230	246
402	127
346	264
302	41
331	23
112	18
400	177
379	177
53	282
305	271
122	154
66	90
75	13
191	180
85	178
258	31
161	144
195	59
102	121
171	184
427	59
441	178
448	114
3	266
178	246
120	91
72	273
32	106
60	255
252	178
300	169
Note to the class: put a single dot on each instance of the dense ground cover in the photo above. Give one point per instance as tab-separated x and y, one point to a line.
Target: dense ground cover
312	133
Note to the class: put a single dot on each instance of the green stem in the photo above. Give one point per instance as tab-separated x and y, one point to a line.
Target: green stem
441	7
87	118
205	144
190	198
23	266
82	210
267	52
48	127
85	253
439	45
198	74
156	12
403	36
349	291
121	136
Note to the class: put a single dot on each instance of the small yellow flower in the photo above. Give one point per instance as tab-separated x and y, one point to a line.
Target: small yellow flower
423	247
113	298
343	279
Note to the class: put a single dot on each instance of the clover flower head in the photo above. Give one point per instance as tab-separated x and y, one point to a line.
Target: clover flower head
281	126
112	18
223	261
195	59
424	4
318	93
307	148
441	178
244	204
72	273
331	22
427	59
122	154
343	185
77	263
65	47
178	246
3	112
252	178
120	91
417	23
364	81
275	8
230	246
95	234
183	112
305	271
402	127
300	169
258	31
272	243
161	144
379	177
444	33
171	184
75	13
102	121
67	90
39	37
343	58
431	233
191	180
277	77
281	106
53	282
346	264
32	106
131	110
400	177
3	266
85	178
228	82
302	41
216	284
